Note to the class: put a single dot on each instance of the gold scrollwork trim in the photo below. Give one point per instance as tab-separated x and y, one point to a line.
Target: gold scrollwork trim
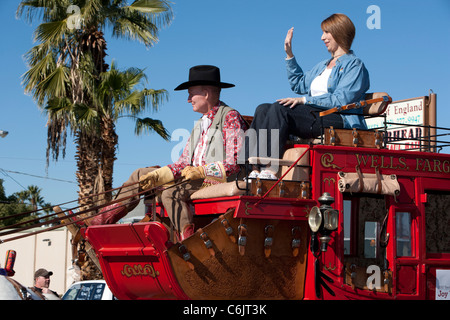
327	161
247	207
307	210
329	180
139	270
330	268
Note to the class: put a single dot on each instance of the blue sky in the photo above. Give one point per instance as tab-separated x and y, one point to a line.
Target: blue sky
406	57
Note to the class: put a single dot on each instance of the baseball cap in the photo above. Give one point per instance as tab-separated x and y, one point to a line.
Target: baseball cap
42	273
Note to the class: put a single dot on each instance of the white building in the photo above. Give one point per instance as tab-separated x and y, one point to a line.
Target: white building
50	250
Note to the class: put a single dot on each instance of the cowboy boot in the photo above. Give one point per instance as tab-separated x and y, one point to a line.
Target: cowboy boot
110	214
187	231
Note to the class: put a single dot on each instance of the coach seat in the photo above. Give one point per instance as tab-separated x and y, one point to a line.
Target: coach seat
300	172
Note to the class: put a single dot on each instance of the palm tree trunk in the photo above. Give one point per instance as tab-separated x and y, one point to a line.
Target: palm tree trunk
91	175
87	158
108	156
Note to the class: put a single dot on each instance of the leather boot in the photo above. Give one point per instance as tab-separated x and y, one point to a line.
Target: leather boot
187	231
110	214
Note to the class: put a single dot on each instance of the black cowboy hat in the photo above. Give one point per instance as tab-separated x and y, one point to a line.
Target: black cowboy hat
204	75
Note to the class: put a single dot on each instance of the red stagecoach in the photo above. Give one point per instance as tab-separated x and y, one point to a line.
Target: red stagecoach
349	218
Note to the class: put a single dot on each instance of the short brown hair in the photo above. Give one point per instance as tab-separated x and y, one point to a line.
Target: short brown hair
341	28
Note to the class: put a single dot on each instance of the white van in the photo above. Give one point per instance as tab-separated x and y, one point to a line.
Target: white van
89	290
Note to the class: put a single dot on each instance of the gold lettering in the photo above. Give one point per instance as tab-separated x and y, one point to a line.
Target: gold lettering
150	271
382	163
139	270
127	271
418	161
427	166
402	161
446	166
423	165
437	165
361	160
392	164
374	161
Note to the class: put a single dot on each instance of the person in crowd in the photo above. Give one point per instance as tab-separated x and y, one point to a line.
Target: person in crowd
339	80
42	284
209	157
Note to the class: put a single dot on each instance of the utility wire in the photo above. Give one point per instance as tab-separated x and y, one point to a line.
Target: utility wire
32	175
7	175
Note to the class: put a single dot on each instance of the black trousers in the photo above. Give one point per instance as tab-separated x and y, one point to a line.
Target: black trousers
273	123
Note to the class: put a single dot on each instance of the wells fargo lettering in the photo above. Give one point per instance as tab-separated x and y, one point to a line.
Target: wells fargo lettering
382	162
139	270
392	162
433	166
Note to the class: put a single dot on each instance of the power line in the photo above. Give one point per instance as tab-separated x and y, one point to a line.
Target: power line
37	159
7	175
32	175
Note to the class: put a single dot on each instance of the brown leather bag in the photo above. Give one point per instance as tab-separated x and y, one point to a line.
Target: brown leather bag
368	183
354	138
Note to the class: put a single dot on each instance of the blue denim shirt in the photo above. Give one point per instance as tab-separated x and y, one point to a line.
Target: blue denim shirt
348	83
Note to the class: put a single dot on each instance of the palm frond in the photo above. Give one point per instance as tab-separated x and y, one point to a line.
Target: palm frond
134	76
58	105
150	6
147	125
132	29
85	114
137	102
44	10
51	32
91	12
33	8
33	78
131	103
155	98
159	12
37	53
55	83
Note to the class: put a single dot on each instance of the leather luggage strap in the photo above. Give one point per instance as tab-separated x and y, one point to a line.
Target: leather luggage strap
361	178
228	228
354	105
380	185
268	240
242	240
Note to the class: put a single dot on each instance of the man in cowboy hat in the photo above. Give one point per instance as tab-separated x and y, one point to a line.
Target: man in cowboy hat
209	157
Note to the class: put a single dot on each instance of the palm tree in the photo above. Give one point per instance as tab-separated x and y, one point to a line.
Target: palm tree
114	97
22	196
29	199
65	76
117	97
34	195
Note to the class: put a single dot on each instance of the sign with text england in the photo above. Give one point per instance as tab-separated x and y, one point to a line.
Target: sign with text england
406	123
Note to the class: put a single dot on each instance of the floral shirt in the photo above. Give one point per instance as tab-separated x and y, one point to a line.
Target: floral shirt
233	129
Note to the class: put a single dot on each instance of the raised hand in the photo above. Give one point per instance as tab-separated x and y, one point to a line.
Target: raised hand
288	43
